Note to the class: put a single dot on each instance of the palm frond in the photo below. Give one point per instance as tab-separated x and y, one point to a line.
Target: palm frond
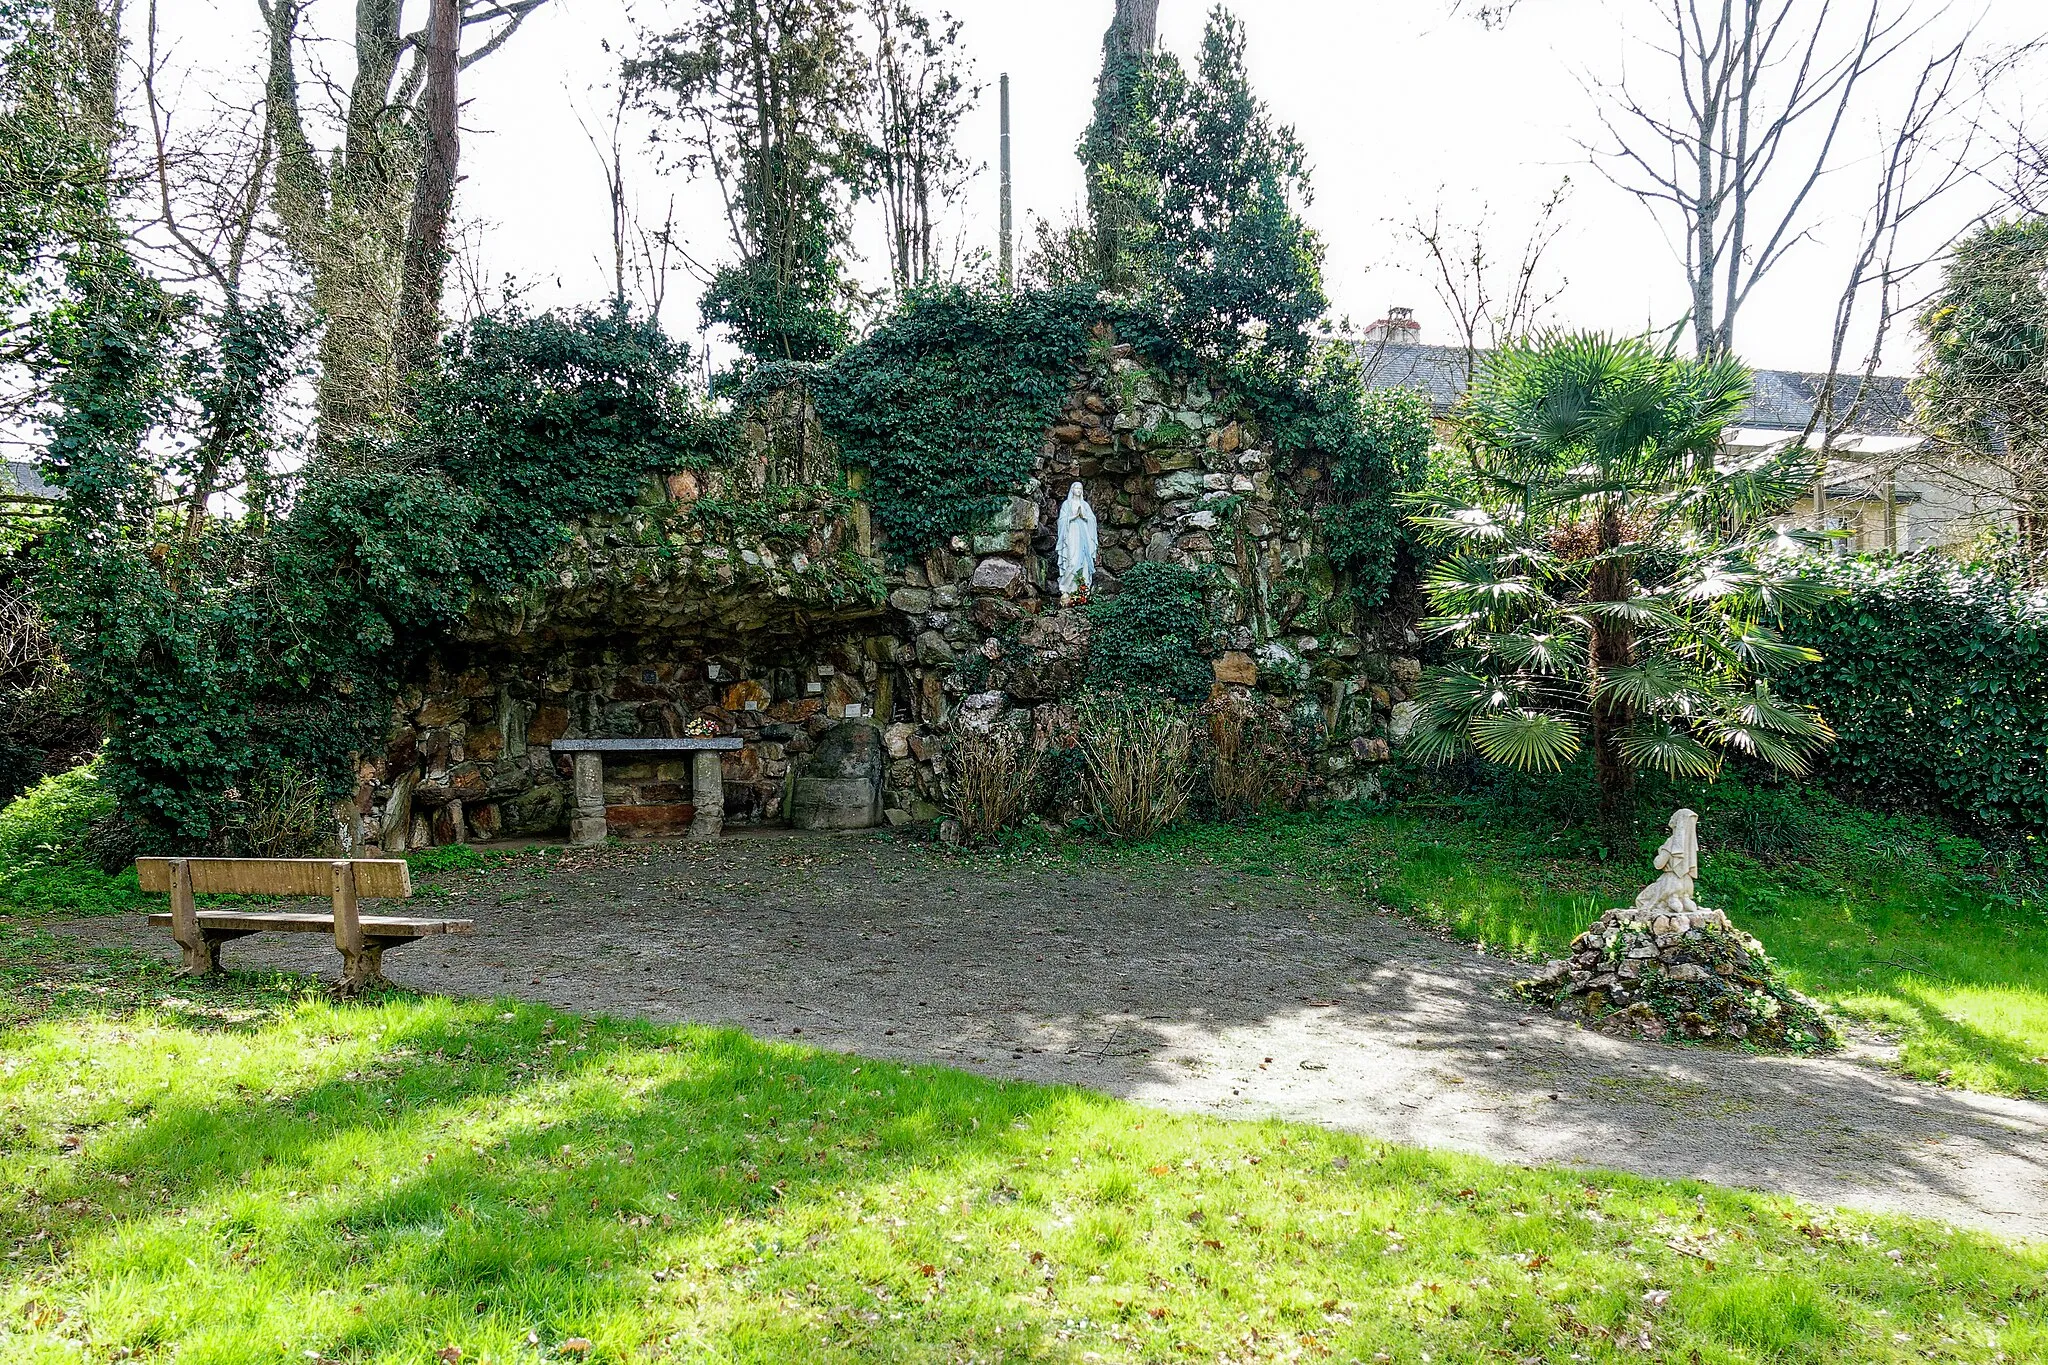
1540	653
1461	524
1669	750
1758	741
1765	650
1642	612
1758	708
1436	743
1527	740
1655	684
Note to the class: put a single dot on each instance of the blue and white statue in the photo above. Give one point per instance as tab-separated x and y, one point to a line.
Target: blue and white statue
1077	545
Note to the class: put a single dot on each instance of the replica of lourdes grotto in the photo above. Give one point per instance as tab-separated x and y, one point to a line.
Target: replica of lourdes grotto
679	668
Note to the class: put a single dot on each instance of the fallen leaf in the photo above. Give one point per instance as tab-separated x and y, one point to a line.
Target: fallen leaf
576	1346
448	1355
928	1270
1162	1170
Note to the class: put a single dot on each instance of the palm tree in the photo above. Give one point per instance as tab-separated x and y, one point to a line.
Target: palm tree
1607	574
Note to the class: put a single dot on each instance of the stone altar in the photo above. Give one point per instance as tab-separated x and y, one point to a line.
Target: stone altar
707	781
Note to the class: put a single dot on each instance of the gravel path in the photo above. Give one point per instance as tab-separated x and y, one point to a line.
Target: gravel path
1193	989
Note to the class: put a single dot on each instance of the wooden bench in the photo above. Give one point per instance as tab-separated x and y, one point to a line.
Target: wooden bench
361	938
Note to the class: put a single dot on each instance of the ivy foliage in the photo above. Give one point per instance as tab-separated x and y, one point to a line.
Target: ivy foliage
947	403
1935	679
1154	635
220	650
535	421
1374	445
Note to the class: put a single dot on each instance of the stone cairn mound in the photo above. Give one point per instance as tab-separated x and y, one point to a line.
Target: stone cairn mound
1667	968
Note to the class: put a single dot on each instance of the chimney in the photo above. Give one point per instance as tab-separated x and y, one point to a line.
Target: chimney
1397	328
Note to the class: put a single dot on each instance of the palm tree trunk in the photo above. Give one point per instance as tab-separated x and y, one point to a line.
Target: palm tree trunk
1613	645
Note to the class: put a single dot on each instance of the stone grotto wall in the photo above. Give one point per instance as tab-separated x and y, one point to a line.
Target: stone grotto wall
751	603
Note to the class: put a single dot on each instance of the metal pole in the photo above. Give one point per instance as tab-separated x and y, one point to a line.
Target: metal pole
1006	259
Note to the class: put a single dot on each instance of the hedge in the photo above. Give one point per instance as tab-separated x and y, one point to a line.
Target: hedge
1935	678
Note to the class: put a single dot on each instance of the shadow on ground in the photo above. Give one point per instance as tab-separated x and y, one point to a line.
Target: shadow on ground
1191	988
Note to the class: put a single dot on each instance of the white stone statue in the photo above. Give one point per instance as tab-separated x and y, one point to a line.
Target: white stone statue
1679	862
1077	544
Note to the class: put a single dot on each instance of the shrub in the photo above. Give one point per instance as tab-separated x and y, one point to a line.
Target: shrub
1933	678
991	774
49	845
284	814
1252	756
1153	635
1139	769
50	822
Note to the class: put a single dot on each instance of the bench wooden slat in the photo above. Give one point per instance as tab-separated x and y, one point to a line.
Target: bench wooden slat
376	878
376	926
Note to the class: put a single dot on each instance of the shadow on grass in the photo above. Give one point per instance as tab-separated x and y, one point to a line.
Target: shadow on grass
380	1181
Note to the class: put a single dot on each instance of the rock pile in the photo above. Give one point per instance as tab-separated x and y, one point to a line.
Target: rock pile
1691	976
1666	967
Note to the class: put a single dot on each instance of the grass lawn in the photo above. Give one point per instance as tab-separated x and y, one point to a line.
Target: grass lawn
243	1171
1884	928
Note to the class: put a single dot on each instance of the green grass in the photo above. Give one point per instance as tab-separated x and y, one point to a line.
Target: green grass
1889	927
244	1171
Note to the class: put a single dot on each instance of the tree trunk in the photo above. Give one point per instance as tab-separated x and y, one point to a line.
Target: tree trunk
1126	47
1613	645
418	329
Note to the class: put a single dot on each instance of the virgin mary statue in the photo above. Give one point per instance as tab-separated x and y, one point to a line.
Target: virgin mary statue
1076	544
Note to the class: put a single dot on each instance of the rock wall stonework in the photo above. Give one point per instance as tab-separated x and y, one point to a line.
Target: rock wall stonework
753	603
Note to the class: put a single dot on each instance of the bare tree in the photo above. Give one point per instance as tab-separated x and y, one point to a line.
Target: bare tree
920	90
643	257
1491	300
417	329
345	214
1731	151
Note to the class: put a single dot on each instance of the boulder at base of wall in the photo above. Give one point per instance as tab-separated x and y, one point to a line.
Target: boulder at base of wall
841	783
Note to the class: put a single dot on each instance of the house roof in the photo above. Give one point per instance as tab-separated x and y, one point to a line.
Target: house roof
20	479
1783	400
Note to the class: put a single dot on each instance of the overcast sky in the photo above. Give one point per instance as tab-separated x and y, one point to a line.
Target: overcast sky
1399	105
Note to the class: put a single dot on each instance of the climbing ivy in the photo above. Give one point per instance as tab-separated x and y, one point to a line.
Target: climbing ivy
1154	634
547	418
945	405
220	650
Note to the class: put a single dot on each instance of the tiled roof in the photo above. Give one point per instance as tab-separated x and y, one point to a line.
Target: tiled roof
23	479
1783	400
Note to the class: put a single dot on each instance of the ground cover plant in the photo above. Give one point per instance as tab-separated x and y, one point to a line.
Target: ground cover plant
1892	922
241	1170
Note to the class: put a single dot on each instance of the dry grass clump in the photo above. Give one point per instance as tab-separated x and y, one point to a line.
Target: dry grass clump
991	773
1252	755
1138	763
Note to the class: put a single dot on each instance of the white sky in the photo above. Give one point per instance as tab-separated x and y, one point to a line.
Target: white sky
1399	106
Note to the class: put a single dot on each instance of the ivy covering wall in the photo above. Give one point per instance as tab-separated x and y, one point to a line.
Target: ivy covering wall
1935	679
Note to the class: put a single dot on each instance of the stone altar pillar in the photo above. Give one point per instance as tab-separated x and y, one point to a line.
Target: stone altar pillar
707	793
587	826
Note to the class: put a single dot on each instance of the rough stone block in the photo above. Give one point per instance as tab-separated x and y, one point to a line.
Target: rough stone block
997	575
1237	668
